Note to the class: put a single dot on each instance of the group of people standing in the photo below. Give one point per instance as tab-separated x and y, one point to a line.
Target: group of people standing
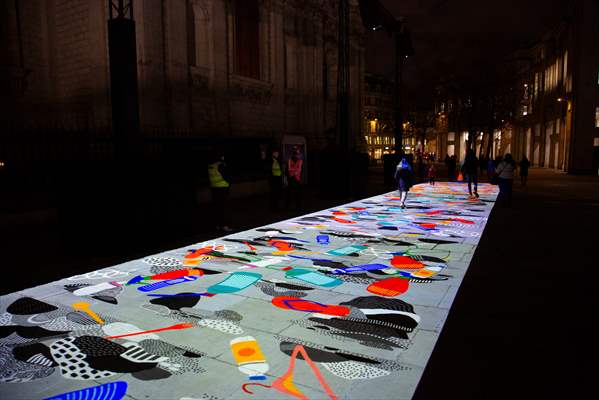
280	175
499	171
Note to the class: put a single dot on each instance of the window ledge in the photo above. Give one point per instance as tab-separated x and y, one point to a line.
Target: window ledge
254	90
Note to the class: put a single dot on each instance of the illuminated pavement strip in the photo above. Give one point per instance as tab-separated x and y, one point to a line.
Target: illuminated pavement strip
242	324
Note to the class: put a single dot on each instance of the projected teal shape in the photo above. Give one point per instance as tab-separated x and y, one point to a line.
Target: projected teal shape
235	282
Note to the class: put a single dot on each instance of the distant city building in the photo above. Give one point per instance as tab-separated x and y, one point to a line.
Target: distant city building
378	125
547	111
205	68
557	121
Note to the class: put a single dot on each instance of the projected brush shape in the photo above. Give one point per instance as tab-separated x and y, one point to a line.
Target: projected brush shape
359	268
176	274
85	307
303	305
199	252
326	264
284	383
270	230
341	364
105	291
283	246
107	391
312	277
175	327
389	287
235	282
353	250
350	234
166	283
246	242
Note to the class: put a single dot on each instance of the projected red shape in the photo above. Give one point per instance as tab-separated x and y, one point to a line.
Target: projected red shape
389	287
403	262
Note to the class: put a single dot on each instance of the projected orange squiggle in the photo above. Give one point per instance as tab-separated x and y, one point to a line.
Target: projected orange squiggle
284	383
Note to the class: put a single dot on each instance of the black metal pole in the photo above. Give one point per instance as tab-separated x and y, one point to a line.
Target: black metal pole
344	140
398	97
343	78
123	79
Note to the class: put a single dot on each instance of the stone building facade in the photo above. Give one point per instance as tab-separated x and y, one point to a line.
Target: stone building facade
556	124
206	69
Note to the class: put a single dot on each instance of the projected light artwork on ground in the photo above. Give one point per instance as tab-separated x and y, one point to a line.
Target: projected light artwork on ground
342	303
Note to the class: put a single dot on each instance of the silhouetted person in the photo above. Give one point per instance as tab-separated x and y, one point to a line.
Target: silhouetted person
524	165
405	180
451	165
482	164
219	185
470	169
505	172
275	180
421	168
490	169
294	179
432	173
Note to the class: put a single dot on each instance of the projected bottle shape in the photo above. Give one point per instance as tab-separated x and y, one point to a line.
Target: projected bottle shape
249	357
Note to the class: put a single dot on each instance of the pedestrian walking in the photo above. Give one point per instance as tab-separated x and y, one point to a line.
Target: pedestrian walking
482	164
405	180
294	179
505	177
451	166
490	169
275	180
421	169
470	169
524	165
432	173
219	179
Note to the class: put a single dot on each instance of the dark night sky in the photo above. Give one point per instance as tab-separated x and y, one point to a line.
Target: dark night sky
459	37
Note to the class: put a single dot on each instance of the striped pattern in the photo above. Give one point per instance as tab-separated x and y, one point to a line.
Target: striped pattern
40	359
136	353
107	391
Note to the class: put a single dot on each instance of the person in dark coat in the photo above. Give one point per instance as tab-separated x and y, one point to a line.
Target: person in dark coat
451	168
524	165
505	173
405	180
470	169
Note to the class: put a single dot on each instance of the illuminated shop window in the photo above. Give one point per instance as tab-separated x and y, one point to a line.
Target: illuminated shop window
596	117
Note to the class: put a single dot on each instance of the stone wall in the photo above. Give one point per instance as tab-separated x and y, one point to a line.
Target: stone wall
186	77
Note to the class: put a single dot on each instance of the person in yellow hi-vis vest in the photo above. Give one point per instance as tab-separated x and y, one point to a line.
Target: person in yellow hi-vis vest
219	185
275	180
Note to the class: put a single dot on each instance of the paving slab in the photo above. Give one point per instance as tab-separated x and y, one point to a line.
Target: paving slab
346	302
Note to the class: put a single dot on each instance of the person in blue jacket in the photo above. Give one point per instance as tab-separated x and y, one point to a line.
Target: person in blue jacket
405	180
